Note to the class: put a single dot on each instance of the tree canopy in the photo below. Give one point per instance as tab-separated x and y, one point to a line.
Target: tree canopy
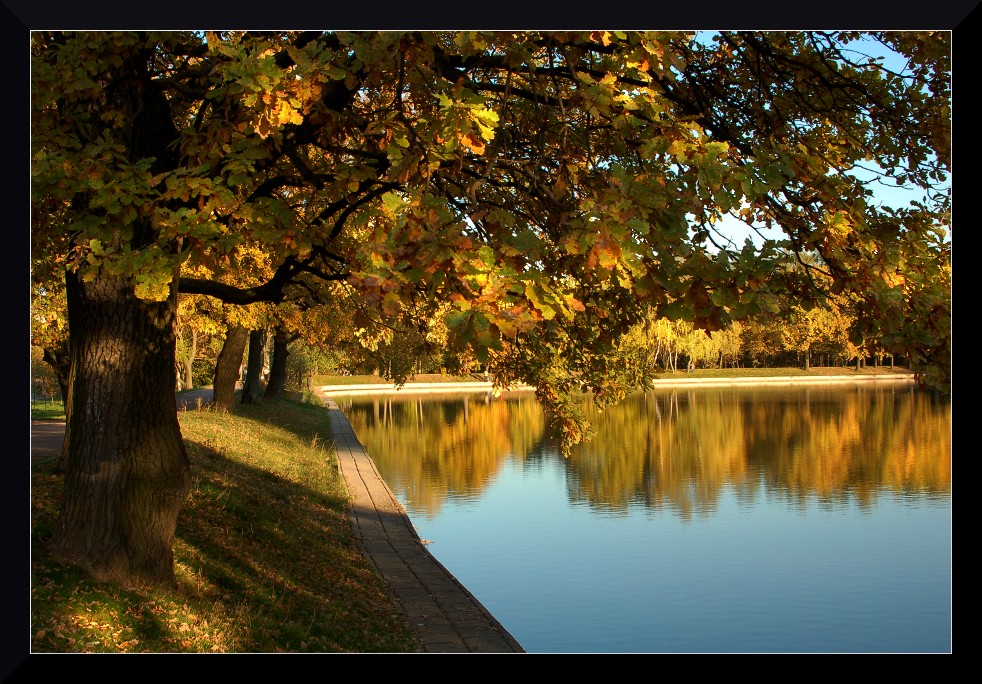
536	193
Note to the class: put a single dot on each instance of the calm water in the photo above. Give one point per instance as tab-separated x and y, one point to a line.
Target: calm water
804	519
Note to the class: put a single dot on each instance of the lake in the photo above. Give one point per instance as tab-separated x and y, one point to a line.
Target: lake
811	518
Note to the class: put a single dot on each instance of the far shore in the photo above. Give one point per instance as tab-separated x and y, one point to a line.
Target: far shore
679	379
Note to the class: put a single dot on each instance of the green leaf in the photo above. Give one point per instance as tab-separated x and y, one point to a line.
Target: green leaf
541	299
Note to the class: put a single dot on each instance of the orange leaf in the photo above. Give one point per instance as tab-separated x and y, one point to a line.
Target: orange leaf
473	142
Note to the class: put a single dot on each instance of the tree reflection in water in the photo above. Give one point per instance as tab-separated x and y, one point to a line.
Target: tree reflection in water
672	449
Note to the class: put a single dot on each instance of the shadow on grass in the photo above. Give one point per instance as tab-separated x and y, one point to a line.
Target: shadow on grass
265	556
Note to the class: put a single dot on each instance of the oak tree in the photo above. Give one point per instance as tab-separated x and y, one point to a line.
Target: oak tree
544	189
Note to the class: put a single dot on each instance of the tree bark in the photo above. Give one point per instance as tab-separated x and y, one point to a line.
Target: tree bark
127	473
227	368
254	368
277	368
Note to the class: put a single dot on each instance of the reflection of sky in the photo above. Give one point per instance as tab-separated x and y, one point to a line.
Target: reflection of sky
765	576
759	567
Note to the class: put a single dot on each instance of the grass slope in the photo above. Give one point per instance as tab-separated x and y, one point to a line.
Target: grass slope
265	556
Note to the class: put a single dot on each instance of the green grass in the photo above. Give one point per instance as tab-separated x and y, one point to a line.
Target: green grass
47	409
265	555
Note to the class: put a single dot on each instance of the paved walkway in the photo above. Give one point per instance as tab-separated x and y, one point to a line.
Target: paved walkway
46	439
446	617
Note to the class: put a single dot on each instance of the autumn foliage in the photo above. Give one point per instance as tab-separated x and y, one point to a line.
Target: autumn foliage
535	194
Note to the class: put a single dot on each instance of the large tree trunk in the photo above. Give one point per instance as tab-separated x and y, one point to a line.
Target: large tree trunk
254	367
227	368
277	367
127	472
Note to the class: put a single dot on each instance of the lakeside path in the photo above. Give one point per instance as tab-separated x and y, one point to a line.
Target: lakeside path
444	614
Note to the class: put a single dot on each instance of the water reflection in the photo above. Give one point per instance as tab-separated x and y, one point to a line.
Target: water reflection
797	519
435	447
672	450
